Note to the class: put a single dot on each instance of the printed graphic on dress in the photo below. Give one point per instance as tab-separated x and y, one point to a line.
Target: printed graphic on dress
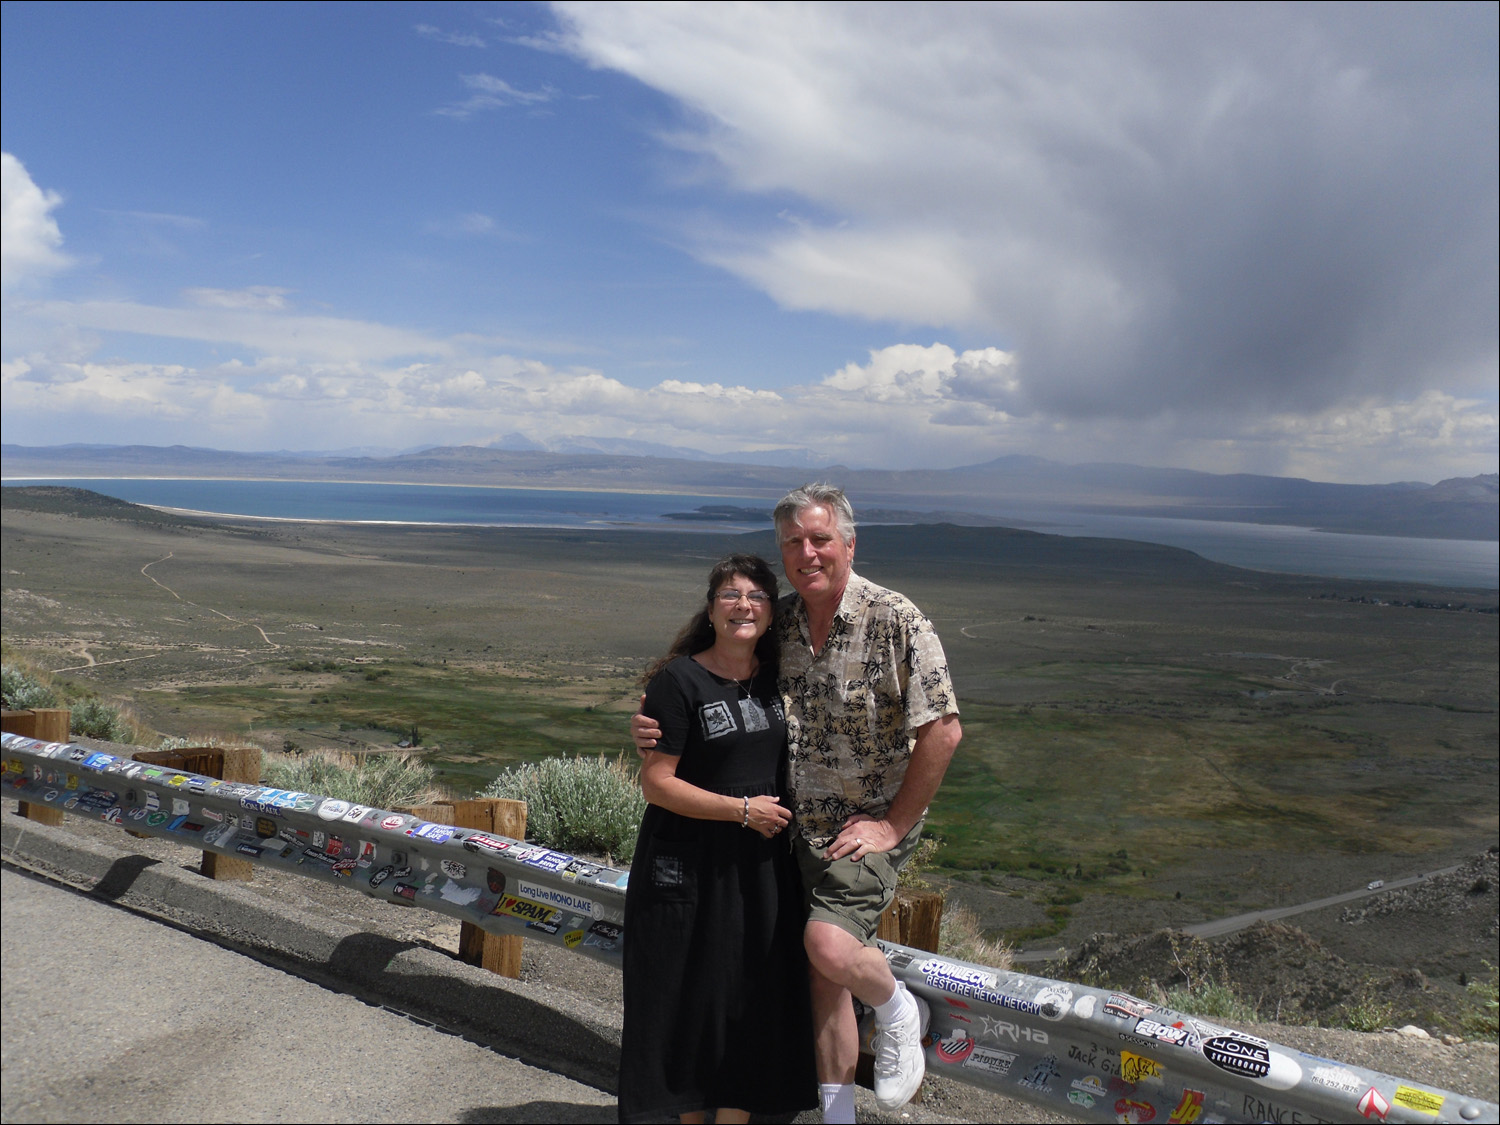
666	871
717	719
754	715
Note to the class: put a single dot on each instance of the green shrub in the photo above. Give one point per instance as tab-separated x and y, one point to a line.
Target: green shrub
590	805
383	781
1216	1001
1482	1006
1369	1014
94	718
23	690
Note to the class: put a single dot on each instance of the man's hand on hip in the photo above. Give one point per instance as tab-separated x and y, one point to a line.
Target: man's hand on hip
862	835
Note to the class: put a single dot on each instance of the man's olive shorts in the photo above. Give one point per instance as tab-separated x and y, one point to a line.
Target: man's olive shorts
850	894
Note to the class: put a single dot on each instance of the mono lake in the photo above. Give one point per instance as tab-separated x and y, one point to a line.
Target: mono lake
1270	547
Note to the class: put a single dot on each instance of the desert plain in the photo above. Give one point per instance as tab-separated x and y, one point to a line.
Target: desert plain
1150	738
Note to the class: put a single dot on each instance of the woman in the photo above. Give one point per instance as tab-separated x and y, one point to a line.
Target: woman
716	1006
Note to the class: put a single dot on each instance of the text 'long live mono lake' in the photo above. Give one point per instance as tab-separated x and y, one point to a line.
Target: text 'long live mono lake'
1272	547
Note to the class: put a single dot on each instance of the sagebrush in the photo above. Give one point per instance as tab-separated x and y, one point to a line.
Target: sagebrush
590	805
383	781
26	689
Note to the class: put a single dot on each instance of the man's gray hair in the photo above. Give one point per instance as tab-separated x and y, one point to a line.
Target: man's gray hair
819	495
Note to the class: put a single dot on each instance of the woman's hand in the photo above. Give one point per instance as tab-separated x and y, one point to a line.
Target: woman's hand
768	817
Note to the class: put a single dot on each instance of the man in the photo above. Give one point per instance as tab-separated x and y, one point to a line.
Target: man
871	725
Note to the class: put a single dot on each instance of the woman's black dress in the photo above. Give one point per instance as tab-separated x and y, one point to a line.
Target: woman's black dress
716	997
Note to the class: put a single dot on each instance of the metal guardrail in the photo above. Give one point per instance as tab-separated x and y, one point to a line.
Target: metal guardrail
1089	1053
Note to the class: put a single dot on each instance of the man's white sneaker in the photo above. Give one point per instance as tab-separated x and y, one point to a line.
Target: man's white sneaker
899	1063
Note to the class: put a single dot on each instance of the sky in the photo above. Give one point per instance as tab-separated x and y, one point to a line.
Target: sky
1256	238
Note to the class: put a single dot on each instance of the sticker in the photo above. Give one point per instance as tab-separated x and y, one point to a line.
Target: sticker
494	880
478	843
381	876
603	935
406	891
356	813
393	823
1239	1054
1151	1029
992	1062
458	894
1077	1097
1138	1068
248	850
453	869
549	861
523	908
572	938
997	1031
1127	1007
1040	1076
1418	1101
1373	1105
436	833
1189	1109
332	809
1089	1085
953	1050
564	900
1084	1009
1134	1112
1336	1078
1054	1001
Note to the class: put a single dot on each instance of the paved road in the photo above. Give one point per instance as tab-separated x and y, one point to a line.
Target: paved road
106	1019
1218	927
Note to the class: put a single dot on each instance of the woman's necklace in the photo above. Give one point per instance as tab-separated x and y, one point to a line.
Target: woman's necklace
742	684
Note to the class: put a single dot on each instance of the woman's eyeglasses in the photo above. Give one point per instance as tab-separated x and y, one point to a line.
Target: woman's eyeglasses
756	598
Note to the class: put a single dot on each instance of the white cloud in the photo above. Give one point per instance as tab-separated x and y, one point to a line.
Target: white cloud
250	319
490	92
907	405
29	235
1255	208
452	38
267	297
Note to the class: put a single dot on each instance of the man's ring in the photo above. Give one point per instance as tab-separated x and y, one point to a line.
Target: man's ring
858	843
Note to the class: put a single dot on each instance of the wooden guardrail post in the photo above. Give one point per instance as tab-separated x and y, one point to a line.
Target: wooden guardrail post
499	953
227	763
50	724
914	919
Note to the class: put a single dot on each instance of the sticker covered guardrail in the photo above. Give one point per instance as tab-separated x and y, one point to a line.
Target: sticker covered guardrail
503	885
1093	1054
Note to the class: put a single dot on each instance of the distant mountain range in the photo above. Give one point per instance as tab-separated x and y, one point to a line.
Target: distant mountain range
1018	488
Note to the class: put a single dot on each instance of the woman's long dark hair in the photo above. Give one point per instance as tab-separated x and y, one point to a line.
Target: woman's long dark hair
698	634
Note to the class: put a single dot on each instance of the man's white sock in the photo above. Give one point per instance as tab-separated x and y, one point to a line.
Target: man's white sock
893	1009
838	1103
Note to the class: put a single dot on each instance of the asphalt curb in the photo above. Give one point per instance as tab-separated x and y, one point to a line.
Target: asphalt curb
539	1024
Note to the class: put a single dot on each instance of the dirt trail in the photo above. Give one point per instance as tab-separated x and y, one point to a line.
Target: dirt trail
210	609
